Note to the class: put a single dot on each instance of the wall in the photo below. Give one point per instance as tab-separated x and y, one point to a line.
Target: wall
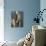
1	21
29	7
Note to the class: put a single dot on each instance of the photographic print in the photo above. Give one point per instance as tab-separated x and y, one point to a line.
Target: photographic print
17	19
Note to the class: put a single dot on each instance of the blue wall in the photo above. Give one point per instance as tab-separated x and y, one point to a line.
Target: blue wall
29	7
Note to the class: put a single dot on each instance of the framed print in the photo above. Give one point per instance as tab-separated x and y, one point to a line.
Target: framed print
17	19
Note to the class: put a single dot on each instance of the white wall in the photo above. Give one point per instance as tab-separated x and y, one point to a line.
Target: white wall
1	20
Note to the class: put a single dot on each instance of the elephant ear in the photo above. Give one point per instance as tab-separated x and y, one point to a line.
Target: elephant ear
21	42
34	19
